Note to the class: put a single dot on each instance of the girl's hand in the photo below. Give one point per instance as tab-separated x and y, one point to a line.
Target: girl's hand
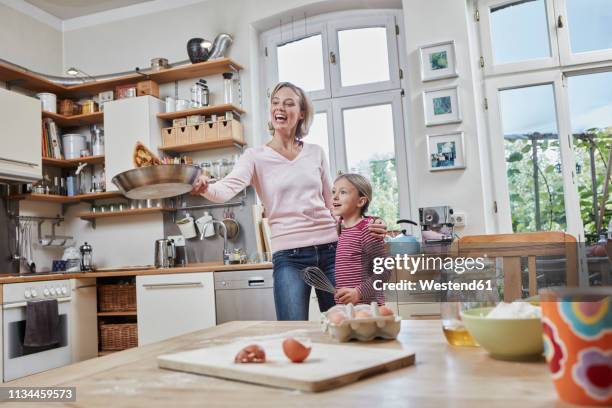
378	228
200	185
348	295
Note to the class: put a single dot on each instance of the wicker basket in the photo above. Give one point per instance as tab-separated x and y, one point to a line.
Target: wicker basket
118	336
117	298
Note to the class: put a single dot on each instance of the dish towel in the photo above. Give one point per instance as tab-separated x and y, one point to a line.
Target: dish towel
42	323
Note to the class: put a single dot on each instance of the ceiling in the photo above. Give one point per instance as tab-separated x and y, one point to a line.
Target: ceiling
67	9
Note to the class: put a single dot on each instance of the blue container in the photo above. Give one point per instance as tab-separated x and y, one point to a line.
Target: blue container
404	243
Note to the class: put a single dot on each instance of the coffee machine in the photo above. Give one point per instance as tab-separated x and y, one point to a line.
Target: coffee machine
437	224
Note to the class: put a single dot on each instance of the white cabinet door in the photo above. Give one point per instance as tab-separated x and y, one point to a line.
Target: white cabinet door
20	137
127	121
174	304
84	332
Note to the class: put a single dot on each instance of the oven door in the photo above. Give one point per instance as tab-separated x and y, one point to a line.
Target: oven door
20	360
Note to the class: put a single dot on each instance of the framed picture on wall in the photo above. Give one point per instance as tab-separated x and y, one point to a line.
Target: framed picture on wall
441	106
438	61
446	151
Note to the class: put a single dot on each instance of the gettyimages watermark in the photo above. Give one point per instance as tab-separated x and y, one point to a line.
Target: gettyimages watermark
481	272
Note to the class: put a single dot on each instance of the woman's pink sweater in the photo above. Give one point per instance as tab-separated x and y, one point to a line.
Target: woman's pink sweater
295	193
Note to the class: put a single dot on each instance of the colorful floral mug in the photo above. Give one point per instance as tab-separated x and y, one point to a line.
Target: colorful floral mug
577	328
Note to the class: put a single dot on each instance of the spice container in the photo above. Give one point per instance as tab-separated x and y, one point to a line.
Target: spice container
89	106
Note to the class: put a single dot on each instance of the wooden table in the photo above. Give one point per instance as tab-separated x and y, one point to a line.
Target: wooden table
443	376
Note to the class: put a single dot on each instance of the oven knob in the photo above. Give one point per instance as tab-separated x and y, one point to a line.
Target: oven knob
64	291
27	294
46	292
52	291
34	294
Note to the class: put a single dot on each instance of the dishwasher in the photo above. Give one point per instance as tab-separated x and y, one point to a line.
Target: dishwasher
244	295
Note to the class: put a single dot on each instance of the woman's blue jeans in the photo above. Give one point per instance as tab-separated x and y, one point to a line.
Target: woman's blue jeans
291	293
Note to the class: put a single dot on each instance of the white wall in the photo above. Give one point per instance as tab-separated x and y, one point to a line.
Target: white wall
28	42
462	189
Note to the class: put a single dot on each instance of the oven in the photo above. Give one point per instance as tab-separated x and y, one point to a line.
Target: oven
20	360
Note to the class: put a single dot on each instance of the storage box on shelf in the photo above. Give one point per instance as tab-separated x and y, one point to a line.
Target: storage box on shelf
209	135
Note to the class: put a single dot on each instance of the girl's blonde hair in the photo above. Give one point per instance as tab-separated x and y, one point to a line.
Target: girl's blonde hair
364	188
303	125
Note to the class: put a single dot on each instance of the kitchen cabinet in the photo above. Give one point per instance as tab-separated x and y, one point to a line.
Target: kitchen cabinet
174	304
84	333
127	121
20	131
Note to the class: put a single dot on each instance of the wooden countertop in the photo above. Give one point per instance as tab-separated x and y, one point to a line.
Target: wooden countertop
443	376
200	267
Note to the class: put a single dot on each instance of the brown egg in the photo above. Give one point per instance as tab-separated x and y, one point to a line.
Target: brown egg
385	311
337	317
362	314
295	351
251	354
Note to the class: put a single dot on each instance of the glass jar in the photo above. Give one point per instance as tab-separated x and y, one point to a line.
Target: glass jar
206	169
228	88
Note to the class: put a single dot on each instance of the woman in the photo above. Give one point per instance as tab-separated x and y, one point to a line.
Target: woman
293	182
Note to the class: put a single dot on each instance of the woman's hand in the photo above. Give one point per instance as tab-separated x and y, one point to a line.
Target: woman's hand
378	228
200	185
348	295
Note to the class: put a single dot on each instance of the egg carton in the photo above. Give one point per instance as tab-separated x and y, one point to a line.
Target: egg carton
362	328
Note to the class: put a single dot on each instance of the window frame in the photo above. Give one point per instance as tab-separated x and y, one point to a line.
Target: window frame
393	98
497	150
281	36
567	57
490	68
358	22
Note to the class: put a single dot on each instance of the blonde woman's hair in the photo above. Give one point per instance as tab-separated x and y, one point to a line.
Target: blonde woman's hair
364	188
303	125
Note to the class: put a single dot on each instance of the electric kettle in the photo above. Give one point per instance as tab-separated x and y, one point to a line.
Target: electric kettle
404	243
165	253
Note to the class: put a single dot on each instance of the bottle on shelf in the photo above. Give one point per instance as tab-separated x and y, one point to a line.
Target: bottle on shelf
228	88
97	140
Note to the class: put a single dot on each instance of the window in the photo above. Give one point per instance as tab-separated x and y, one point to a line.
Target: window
351	46
533	160
589	25
523	35
301	62
527	41
555	120
358	119
517	35
370	151
590	102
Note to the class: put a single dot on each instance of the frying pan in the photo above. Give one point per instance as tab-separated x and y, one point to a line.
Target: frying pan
160	181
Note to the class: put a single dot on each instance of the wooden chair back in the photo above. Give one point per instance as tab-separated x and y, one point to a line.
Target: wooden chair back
512	247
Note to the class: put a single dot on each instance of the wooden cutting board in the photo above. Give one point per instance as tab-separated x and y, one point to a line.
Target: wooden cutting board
328	366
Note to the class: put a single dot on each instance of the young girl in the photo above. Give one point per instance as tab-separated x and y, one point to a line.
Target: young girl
357	247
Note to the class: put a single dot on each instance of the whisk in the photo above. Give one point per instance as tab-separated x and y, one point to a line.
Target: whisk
316	278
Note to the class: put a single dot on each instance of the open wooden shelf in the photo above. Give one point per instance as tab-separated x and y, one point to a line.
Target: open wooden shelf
52	198
130	313
206	110
75	120
28	80
72	163
124	213
192	147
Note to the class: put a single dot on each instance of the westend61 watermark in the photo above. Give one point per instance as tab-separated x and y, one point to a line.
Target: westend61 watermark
416	263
